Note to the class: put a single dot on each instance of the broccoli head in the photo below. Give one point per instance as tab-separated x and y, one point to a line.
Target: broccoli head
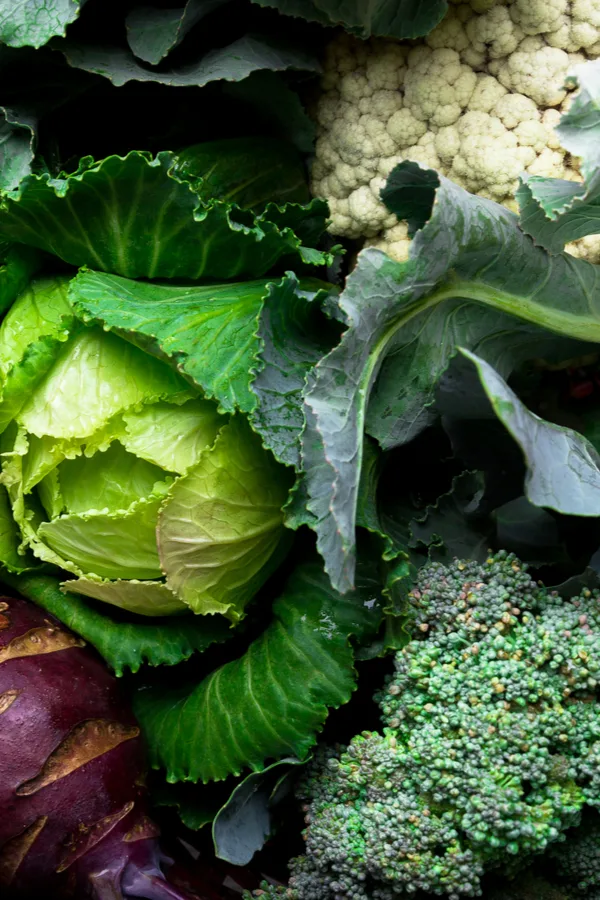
491	747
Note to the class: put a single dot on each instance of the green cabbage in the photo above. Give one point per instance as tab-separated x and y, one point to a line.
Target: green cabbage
118	470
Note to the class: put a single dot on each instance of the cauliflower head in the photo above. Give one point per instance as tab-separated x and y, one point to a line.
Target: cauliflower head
478	99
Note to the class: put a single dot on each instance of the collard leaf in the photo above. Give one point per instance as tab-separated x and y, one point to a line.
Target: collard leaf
235	62
125	643
368	512
152	33
530	532
17	146
242	825
387	18
132	216
451	527
563	467
554	211
271	701
220	532
473	279
34	22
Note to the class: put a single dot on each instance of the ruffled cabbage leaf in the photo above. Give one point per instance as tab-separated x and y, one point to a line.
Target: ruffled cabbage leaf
139	216
272	701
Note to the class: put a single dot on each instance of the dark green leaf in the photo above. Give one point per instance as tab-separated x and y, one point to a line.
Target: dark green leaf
124	643
196	805
554	211
563	467
132	216
18	264
17	146
271	701
530	532
242	825
451	527
368	512
277	109
293	335
214	335
152	33
473	279
233	63
250	172
33	23
391	18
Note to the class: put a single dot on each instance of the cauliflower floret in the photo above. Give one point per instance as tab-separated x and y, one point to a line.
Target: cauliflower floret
450	33
587	248
424	152
396	242
580	29
490	158
487	94
438	87
493	35
536	70
366	207
405	129
549	163
478	100
513	109
385	67
538	16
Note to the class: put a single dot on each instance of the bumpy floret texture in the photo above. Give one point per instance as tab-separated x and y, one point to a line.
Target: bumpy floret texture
491	750
478	99
577	859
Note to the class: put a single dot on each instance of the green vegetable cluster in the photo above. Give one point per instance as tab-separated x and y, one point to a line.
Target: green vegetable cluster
230	447
489	751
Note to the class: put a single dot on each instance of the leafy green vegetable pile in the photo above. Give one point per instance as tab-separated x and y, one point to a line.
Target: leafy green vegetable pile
230	444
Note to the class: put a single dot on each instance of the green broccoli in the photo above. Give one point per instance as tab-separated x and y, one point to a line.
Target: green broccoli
491	750
577	859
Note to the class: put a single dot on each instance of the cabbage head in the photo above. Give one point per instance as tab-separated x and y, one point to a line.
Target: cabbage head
117	470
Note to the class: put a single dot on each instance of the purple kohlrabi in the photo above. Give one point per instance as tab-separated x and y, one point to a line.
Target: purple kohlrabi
73	820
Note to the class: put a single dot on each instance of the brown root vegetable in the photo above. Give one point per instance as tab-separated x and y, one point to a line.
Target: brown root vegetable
73	821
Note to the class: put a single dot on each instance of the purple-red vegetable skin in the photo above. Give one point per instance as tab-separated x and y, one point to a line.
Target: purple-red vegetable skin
73	821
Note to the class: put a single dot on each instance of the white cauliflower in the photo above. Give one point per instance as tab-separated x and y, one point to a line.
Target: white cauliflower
478	99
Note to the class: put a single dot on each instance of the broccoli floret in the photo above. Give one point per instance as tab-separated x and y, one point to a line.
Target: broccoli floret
491	747
577	859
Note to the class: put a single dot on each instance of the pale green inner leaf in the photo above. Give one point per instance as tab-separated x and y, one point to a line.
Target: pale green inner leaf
41	311
50	496
96	376
146	598
222	522
108	544
111	481
172	437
